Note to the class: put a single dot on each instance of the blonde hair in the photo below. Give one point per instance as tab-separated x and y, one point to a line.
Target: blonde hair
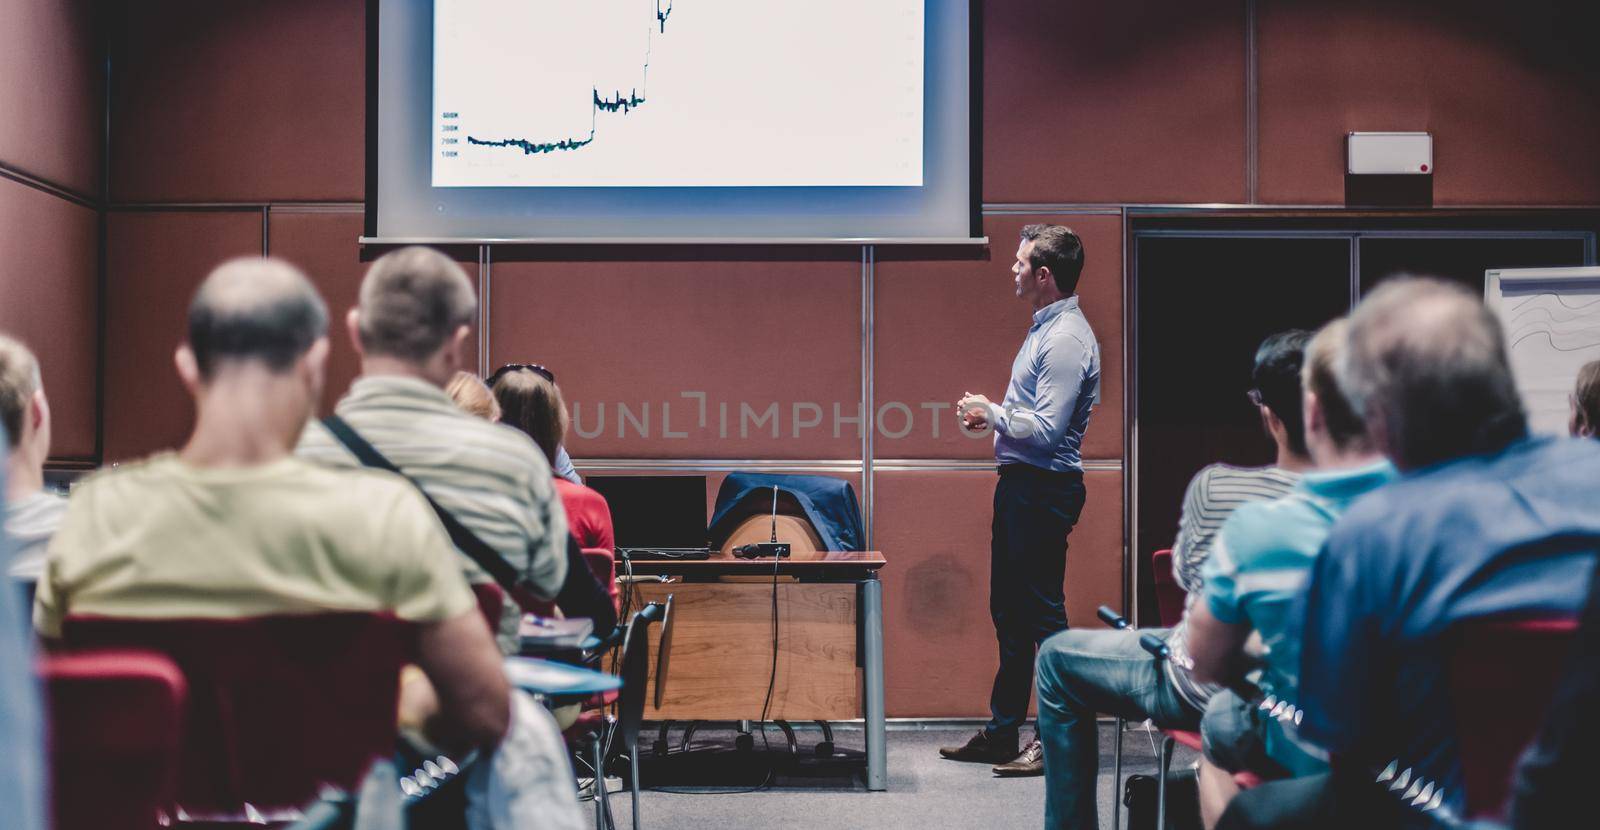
1324	354
19	379
470	393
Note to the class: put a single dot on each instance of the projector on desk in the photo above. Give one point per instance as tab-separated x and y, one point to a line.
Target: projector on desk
762	550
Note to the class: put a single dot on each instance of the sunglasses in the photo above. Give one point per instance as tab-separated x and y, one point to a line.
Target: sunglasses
517	367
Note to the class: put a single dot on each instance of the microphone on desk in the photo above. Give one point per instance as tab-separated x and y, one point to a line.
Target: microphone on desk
774	548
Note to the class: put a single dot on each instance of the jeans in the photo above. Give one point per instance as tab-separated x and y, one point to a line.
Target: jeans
1232	736
1082	673
1034	510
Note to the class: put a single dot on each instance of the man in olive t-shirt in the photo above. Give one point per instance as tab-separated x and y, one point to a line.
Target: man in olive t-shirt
234	526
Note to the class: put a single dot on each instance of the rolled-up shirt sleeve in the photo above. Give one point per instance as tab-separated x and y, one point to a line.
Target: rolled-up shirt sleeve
1060	370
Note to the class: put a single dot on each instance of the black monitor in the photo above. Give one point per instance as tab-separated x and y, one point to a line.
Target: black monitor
655	511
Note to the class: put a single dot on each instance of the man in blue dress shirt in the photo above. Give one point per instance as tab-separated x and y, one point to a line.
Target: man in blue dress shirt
1055	381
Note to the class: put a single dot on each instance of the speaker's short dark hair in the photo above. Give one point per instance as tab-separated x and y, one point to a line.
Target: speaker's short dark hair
255	309
412	301
1056	247
1276	378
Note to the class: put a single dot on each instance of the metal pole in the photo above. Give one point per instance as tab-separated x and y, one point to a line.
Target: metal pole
872	644
1116	778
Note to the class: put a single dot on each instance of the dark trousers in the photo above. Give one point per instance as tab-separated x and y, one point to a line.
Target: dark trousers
1034	510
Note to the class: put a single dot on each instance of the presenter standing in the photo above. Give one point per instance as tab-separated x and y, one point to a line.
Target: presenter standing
1055	381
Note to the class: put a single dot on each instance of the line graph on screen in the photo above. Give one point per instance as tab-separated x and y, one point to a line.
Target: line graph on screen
605	93
617	102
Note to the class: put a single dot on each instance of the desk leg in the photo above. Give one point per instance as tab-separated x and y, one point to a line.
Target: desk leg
872	644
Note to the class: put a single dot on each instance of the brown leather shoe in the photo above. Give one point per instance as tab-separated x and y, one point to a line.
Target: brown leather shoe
983	749
1030	762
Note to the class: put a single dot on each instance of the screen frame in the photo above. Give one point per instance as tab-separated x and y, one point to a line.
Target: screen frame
974	166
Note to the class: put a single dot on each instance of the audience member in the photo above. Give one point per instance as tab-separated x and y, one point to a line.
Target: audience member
1483	521
1219	489
1256	570
234	526
589	527
22	789
1084	672
32	513
562	464
533	404
414	312
474	398
1584	402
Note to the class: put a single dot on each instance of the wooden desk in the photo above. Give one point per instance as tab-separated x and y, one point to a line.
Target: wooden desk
830	641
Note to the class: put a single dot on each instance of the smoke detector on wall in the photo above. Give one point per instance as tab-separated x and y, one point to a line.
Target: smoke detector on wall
1389	154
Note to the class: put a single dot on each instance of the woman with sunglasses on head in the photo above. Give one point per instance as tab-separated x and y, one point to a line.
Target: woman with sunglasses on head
530	401
561	463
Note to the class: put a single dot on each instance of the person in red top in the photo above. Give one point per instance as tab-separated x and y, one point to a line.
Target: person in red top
531	401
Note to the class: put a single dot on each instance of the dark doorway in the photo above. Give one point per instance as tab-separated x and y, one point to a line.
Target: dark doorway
1202	301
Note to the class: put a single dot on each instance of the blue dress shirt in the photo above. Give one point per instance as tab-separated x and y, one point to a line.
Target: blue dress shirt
1511	533
1055	381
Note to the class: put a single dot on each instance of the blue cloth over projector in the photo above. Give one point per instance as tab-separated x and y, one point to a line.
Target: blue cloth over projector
830	504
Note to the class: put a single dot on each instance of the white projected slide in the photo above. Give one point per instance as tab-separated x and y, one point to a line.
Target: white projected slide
677	93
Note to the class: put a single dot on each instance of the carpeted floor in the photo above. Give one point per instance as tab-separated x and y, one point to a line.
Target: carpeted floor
925	791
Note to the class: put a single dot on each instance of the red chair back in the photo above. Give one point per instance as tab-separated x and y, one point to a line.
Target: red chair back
278	706
603	564
1503	675
1169	594
116	722
491	601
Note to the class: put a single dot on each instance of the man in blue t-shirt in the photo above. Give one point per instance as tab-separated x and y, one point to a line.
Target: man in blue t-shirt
1255	574
1484	521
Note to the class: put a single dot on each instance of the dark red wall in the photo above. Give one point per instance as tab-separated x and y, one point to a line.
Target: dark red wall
1088	108
52	135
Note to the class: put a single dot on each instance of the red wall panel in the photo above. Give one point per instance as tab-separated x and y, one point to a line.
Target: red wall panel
945	327
933	528
747	332
236	101
1136	101
323	244
48	300
1509	97
154	263
52	83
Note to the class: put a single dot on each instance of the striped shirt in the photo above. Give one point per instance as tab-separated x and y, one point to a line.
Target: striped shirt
491	477
1213	494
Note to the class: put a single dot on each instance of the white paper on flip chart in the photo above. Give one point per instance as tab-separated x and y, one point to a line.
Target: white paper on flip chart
1552	323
